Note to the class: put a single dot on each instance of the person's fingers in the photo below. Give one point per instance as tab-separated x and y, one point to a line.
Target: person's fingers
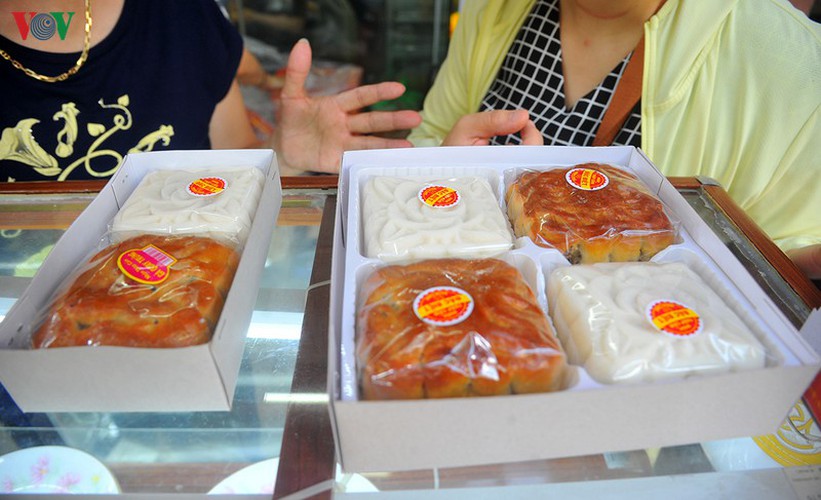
364	96
808	259
383	121
296	72
500	122
373	142
477	128
330	167
531	136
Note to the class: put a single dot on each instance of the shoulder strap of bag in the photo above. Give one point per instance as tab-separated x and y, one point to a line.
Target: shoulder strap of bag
627	94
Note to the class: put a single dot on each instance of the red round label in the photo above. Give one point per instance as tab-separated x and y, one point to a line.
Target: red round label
207	186
674	318
443	305
439	196
587	179
148	265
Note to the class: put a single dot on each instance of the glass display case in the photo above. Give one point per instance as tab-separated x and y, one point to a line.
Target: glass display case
277	440
171	452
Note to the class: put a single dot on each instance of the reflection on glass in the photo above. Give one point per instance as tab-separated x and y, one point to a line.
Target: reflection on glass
251	431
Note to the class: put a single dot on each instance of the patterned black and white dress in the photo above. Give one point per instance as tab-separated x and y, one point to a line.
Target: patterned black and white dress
531	78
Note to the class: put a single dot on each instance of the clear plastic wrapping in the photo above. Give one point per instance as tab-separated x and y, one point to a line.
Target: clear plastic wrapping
641	322
605	320
147	291
409	219
454	327
211	202
589	212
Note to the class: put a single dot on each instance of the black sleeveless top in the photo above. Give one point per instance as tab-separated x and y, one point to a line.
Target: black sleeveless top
151	84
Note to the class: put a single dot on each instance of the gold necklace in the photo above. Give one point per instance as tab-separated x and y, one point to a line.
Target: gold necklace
73	70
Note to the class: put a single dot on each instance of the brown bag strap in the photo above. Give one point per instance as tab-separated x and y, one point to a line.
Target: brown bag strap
627	94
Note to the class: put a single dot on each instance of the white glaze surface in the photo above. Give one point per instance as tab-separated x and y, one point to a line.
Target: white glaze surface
399	226
600	312
163	204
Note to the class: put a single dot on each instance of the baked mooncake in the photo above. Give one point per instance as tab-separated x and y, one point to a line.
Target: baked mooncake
643	321
410	219
590	212
148	291
453	327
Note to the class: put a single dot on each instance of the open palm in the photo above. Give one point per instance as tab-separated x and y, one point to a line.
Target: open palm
313	132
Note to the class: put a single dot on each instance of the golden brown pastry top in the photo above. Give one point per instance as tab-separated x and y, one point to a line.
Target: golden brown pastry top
104	306
561	214
402	356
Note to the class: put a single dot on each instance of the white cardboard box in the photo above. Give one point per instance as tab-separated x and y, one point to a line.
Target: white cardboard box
121	379
587	418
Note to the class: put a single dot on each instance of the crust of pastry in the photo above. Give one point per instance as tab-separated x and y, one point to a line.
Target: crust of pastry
505	346
102	306
619	223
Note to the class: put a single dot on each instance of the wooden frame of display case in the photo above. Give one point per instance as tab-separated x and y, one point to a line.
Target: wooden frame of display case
802	286
46	217
49	187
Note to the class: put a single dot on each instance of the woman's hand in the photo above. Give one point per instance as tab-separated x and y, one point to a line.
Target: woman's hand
808	259
478	128
312	132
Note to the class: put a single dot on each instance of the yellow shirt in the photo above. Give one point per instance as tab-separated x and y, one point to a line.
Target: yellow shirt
731	91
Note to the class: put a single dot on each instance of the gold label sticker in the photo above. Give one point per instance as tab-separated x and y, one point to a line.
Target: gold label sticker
207	186
587	179
674	318
439	196
148	265
443	305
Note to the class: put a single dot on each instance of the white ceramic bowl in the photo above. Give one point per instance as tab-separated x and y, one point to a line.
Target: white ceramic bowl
54	469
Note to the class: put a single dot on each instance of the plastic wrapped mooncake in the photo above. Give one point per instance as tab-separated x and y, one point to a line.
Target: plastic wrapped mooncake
590	213
407	219
453	328
639	322
210	202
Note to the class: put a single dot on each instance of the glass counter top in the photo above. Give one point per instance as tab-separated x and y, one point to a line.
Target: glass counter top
136	446
276	440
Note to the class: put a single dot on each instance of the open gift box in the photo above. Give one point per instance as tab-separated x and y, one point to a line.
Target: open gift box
121	379
587	416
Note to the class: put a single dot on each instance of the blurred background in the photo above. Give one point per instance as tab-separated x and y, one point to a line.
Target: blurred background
354	42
